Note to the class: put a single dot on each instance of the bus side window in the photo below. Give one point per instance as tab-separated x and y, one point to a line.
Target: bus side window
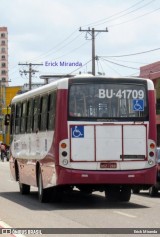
29	115
23	118
18	118
51	111
43	113
12	126
36	114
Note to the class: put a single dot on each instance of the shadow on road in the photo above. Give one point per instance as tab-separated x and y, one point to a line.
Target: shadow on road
74	200
146	194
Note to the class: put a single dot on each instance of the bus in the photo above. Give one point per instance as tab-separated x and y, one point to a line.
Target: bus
85	132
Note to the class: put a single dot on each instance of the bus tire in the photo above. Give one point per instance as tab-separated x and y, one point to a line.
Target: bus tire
125	194
56	194
24	188
136	190
43	194
112	194
153	191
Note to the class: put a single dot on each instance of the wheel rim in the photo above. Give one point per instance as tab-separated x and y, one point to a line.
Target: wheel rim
20	186
40	185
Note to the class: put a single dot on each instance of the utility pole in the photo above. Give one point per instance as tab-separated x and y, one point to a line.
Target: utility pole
30	71
92	33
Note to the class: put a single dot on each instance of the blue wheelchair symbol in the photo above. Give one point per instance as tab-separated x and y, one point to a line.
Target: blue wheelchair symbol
78	131
138	105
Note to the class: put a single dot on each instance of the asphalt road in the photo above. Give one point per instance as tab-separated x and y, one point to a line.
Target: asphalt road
75	211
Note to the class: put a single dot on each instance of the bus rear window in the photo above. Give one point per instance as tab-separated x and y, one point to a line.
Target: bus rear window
108	101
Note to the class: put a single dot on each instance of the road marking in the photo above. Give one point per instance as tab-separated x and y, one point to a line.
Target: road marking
124	214
6	230
12	181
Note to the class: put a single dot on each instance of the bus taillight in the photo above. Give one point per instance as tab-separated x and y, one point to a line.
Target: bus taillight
64	152
152	146
63	145
151	154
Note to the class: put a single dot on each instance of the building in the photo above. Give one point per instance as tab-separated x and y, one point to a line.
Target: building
3	73
4	56
9	93
152	71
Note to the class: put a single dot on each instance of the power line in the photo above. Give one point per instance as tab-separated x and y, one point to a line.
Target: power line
128	55
80	67
53	48
101	67
71	51
118	16
95	22
51	52
43	55
120	64
126	61
97	66
135	18
113	69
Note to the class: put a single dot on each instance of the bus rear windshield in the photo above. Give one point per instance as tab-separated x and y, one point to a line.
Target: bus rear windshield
108	101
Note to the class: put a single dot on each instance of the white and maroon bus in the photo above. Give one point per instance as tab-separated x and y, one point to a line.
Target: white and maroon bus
90	133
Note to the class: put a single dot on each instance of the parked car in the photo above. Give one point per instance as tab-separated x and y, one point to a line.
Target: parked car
153	190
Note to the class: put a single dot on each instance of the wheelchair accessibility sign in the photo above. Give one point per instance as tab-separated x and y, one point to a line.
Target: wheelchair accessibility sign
77	131
138	105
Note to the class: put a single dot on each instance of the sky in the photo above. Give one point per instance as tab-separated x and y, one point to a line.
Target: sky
47	32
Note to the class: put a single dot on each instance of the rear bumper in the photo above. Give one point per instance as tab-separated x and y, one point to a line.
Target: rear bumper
73	177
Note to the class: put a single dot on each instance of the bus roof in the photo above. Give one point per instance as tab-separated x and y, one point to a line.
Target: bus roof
63	84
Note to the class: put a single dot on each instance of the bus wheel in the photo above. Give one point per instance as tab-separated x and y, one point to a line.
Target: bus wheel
136	190
43	194
56	194
112	194
125	194
24	188
153	191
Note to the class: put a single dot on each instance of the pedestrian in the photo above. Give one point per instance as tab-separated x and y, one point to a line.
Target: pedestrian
3	151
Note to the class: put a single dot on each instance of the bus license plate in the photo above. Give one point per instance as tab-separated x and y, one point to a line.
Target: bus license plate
108	165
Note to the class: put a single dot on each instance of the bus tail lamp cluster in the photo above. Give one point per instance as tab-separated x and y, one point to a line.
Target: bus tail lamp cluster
64	152
151	152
